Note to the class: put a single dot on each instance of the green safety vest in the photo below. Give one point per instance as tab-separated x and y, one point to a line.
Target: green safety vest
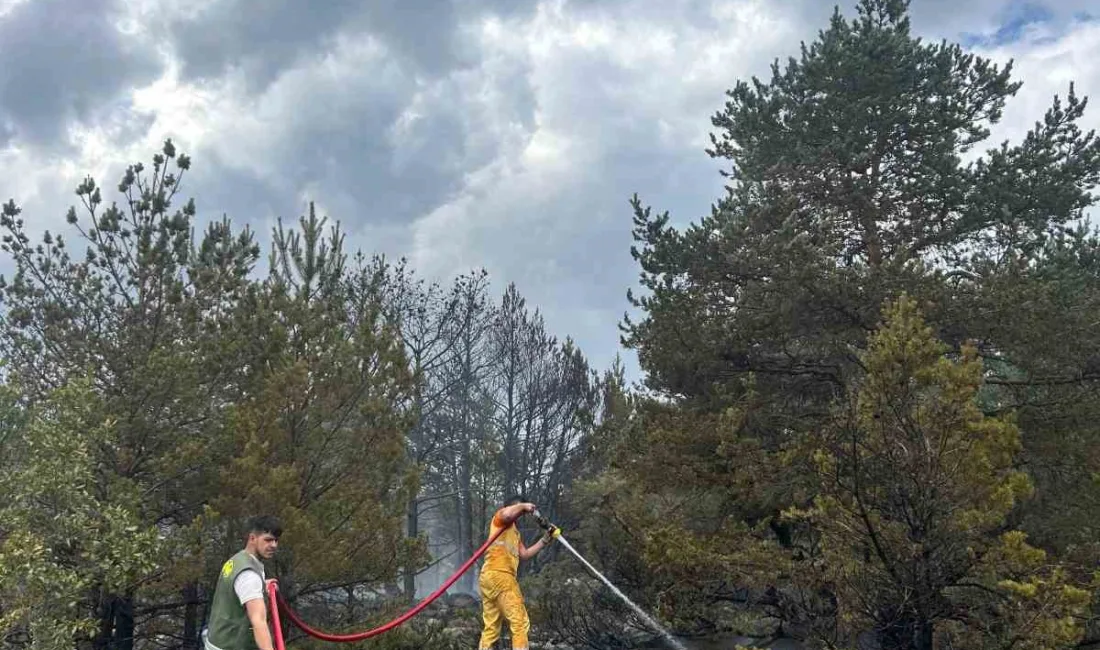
229	627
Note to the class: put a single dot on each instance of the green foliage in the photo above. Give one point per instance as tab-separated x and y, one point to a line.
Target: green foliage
678	515
308	393
69	531
916	486
336	383
147	312
907	534
850	186
1019	599
570	607
228	395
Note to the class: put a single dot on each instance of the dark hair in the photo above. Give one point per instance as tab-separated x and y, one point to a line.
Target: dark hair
514	499
264	524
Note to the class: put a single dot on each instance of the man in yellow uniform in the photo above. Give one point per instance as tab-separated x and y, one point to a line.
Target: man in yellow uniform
500	594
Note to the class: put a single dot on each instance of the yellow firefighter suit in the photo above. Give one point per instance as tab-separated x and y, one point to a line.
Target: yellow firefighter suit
500	594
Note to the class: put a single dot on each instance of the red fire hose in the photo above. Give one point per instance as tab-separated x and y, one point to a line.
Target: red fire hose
278	602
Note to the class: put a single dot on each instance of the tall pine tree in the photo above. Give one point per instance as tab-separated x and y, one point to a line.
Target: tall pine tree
848	186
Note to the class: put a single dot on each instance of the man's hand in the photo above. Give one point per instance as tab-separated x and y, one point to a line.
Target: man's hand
528	552
551	534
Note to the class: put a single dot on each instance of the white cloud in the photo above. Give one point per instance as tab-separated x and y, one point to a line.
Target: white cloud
8	6
623	100
1047	64
520	160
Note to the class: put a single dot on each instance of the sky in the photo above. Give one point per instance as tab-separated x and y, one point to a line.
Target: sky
507	135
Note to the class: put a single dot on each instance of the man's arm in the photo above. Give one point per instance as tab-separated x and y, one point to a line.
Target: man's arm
250	591
509	514
257	615
528	552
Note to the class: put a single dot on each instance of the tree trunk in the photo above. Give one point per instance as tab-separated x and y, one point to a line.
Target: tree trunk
483	518
412	524
124	622
924	635
465	514
191	616
349	615
106	614
510	438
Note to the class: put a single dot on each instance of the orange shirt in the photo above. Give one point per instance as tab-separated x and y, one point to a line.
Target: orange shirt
503	554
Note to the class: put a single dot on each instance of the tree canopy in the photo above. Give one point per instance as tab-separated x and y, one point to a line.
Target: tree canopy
160	389
856	177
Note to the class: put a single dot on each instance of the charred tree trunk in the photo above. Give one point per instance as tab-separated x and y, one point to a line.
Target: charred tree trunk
465	512
191	617
106	614
124	622
412	527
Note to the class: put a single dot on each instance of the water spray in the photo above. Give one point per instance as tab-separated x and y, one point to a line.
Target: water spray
556	532
280	606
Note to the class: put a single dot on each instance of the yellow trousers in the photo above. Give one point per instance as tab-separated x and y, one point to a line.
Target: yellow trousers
500	596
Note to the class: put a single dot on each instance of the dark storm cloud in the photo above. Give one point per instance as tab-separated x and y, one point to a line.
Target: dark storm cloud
392	140
378	145
264	37
64	60
391	135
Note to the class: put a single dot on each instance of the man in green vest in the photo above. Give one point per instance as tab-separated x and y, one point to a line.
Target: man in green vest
238	613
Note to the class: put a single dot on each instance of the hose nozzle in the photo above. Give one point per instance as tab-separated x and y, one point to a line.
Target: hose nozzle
543	522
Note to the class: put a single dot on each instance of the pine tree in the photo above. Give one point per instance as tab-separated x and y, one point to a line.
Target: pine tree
911	522
855	176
